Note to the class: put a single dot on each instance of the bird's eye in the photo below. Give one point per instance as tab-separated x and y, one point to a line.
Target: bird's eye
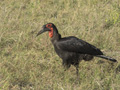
48	25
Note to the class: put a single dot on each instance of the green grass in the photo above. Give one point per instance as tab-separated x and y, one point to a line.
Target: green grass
30	63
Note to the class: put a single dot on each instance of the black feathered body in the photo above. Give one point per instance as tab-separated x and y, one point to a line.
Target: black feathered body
72	50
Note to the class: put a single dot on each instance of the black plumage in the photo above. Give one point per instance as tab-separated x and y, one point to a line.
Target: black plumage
71	49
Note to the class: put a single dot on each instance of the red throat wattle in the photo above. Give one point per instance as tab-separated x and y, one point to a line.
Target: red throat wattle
51	30
51	33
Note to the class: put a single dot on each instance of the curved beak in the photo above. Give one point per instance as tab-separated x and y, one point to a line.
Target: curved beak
42	31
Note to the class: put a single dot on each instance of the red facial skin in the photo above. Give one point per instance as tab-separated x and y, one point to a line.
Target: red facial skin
51	28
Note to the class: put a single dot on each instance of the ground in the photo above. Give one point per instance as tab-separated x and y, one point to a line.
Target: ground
28	62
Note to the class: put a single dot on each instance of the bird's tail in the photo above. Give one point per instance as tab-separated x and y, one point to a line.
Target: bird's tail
107	58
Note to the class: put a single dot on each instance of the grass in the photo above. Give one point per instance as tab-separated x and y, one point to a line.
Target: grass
29	63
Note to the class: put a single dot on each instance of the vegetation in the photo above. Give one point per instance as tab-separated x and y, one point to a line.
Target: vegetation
30	63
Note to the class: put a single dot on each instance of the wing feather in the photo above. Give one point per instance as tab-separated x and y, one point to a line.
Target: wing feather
73	44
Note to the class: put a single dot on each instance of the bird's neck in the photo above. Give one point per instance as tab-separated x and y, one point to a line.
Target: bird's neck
56	37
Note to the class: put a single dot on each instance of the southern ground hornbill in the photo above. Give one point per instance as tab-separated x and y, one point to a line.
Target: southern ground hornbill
71	49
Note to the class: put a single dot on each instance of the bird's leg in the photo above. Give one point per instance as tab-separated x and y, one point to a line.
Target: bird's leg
77	70
66	65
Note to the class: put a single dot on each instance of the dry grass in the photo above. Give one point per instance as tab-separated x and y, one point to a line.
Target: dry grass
30	63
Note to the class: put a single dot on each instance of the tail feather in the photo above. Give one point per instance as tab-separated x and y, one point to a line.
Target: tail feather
107	58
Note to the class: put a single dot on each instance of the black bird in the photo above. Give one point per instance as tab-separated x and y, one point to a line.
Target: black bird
71	49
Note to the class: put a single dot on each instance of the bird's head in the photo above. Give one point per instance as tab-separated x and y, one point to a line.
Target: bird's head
50	27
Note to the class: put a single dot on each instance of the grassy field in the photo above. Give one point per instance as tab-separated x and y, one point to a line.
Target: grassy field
30	63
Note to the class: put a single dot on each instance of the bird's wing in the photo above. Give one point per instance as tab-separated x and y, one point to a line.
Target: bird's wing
73	44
